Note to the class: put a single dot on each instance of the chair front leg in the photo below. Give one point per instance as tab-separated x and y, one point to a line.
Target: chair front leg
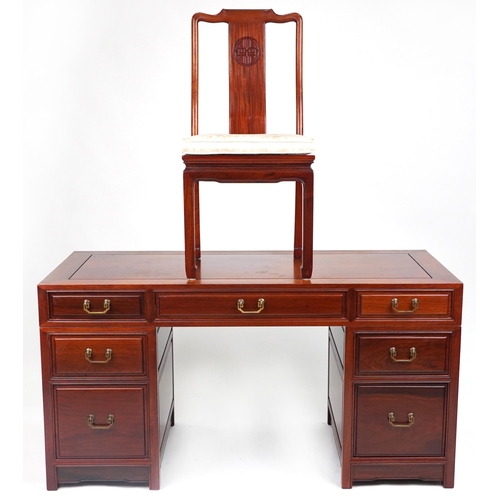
197	243
307	226
189	226
298	234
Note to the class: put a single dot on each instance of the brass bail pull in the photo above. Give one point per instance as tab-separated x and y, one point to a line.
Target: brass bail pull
92	425
241	304
408	423
107	354
414	306
394	353
106	305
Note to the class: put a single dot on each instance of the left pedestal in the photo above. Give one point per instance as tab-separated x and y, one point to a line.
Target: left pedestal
104	421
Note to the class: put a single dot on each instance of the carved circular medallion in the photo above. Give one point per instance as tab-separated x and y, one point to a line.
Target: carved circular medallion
246	51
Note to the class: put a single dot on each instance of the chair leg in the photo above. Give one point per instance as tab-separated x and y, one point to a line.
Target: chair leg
297	245
189	226
197	244
307	226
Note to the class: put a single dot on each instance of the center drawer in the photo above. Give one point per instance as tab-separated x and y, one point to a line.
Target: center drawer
246	305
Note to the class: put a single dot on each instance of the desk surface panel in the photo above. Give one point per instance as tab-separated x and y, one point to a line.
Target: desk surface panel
266	268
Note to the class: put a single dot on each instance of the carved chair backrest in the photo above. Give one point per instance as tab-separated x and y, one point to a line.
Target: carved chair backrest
247	68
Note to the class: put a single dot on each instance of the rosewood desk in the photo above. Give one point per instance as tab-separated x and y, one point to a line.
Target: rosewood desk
106	330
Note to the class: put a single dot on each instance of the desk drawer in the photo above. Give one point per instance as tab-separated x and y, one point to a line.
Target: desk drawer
402	420
100	422
398	353
404	304
96	306
98	355
250	304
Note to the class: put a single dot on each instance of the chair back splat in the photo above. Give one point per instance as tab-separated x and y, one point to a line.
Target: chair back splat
247	68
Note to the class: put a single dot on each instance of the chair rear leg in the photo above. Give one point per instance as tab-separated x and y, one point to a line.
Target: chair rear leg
307	214
197	244
298	231
189	226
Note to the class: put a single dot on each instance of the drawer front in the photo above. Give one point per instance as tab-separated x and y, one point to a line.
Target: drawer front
404	305
400	420
96	306
402	353
98	355
248	305
97	422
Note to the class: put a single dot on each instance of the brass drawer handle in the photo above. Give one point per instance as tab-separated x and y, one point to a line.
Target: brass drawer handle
86	307
241	305
88	356
394	353
414	305
92	425
409	422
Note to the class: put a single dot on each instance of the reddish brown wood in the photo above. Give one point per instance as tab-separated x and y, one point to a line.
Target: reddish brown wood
247	115
70	306
74	474
398	470
365	384
393	270
165	356
244	169
125	437
126	387
376	437
247	81
374	353
379	304
314	304
336	384
373	382
127	355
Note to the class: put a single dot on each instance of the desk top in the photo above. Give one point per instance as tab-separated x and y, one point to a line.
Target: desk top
415	267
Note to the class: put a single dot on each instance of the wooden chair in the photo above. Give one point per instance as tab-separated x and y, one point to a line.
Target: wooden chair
247	154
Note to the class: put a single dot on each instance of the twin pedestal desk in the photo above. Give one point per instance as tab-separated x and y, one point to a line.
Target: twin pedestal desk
106	330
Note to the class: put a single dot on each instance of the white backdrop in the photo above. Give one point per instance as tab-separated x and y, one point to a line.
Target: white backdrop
390	100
